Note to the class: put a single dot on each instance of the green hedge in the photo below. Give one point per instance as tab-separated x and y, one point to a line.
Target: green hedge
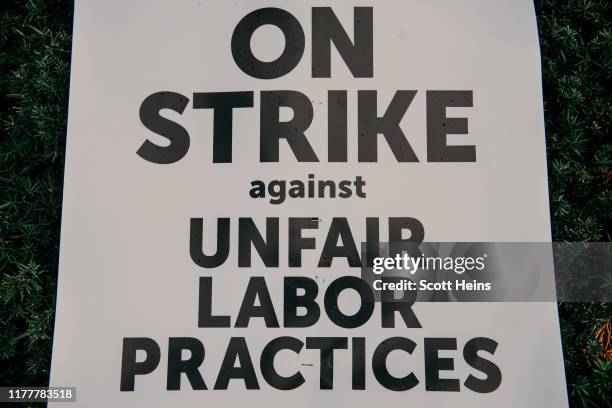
576	43
576	40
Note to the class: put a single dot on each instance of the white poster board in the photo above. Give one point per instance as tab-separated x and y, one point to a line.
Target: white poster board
177	115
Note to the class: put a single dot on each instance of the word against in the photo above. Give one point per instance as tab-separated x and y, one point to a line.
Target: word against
278	191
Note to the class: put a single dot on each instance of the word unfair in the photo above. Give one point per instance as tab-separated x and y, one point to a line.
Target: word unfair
359	58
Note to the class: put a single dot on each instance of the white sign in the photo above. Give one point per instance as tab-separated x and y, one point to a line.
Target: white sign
225	161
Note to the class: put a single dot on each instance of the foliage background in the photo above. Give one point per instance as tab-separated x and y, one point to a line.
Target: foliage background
576	43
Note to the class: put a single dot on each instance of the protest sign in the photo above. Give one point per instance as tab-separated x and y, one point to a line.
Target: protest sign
225	162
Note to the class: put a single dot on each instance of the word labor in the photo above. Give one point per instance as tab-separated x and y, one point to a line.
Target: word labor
358	57
302	308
